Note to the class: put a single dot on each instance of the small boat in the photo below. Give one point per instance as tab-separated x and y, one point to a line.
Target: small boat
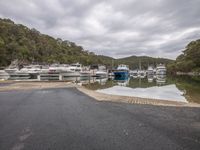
150	70
134	73
122	71
161	69
141	73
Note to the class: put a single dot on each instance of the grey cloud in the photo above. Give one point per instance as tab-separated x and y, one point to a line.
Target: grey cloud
160	28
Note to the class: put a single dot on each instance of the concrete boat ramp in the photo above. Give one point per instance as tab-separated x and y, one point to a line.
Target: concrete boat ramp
65	118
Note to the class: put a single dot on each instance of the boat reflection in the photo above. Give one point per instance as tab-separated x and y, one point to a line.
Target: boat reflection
101	81
122	81
160	80
150	78
188	86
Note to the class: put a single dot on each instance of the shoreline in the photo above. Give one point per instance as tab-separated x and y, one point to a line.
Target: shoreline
34	85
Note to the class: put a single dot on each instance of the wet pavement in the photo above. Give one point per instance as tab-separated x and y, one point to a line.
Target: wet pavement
5	84
65	118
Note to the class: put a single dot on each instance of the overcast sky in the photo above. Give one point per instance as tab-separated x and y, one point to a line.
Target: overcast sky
117	28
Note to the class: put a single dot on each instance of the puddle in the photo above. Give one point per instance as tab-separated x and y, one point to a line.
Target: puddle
168	92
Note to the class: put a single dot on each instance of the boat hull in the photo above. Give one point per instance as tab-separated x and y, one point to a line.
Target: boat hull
121	74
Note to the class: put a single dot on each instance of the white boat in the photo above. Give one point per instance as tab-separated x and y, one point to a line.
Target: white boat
134	73
101	72
19	75
31	69
44	69
141	73
85	73
59	68
161	69
11	69
73	70
16	74
75	67
150	70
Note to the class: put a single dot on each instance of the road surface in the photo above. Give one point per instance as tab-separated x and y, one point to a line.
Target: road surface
65	119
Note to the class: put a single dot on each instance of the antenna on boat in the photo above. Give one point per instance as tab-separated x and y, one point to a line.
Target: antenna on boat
112	63
139	64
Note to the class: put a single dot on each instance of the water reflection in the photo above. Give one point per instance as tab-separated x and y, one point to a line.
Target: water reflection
168	92
122	81
150	78
161	79
185	87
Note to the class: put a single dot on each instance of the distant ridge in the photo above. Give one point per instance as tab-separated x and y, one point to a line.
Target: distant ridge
133	61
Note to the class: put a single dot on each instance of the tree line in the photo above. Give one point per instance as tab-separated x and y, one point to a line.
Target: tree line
29	45
189	60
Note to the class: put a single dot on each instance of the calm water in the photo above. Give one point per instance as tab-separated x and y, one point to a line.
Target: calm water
181	88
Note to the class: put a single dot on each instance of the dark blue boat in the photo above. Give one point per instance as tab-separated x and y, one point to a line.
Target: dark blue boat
122	71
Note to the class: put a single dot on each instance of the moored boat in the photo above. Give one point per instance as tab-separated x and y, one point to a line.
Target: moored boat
11	69
102	72
161	69
31	69
150	70
122	71
19	75
134	73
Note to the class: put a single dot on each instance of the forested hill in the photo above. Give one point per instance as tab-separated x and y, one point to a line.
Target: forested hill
29	45
189	60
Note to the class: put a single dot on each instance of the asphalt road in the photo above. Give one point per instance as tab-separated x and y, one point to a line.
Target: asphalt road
64	119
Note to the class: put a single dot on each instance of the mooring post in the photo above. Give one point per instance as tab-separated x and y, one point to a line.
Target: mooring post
60	77
38	77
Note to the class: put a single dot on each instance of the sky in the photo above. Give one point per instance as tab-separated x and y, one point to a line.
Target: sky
117	28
